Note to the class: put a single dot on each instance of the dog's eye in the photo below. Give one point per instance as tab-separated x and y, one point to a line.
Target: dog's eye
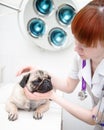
49	77
36	82
39	79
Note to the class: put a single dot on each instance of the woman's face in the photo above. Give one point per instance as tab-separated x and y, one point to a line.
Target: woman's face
89	52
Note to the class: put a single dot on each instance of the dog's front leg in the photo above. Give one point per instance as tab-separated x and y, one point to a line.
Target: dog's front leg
38	113
12	110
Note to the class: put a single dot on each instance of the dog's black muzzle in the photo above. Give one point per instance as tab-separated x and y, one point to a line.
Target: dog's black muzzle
44	86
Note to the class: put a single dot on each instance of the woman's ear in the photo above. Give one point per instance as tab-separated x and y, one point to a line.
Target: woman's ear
24	80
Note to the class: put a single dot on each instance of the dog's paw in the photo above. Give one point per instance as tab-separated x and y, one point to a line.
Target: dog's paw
12	116
37	115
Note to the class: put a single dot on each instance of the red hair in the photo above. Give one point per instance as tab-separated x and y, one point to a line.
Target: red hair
88	24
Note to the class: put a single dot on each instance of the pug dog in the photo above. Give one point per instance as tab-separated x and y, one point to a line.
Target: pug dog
37	81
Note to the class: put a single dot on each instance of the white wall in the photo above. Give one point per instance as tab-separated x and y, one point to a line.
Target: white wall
16	52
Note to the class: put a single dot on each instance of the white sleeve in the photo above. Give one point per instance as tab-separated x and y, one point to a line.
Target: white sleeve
100	104
100	108
74	67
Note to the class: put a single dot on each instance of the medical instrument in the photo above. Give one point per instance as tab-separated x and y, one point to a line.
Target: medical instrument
95	117
46	20
82	94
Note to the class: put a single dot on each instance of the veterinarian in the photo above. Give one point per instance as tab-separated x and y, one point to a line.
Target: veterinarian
87	68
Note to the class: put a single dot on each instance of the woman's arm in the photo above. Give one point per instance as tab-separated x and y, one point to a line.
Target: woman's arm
76	110
64	84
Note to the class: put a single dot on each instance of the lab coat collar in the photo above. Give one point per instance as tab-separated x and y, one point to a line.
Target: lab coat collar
99	72
100	68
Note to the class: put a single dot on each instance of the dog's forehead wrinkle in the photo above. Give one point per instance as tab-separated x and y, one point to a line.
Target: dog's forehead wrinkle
33	75
40	71
39	74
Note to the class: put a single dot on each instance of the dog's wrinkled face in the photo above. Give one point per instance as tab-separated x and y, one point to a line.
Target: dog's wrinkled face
38	81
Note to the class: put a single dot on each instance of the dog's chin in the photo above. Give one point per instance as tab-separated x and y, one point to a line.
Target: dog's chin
42	90
32	88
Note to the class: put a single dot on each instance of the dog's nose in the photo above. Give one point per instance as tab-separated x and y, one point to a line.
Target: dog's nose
46	86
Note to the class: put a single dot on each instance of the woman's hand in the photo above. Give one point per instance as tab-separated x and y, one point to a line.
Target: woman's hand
25	69
38	96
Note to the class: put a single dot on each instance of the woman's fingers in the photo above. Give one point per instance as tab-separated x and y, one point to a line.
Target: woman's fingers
24	70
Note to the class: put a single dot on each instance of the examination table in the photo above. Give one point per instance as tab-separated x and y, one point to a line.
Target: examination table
52	119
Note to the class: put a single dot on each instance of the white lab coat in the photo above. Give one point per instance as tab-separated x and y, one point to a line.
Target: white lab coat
94	84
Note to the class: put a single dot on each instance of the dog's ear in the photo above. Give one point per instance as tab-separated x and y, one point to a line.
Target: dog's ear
24	80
